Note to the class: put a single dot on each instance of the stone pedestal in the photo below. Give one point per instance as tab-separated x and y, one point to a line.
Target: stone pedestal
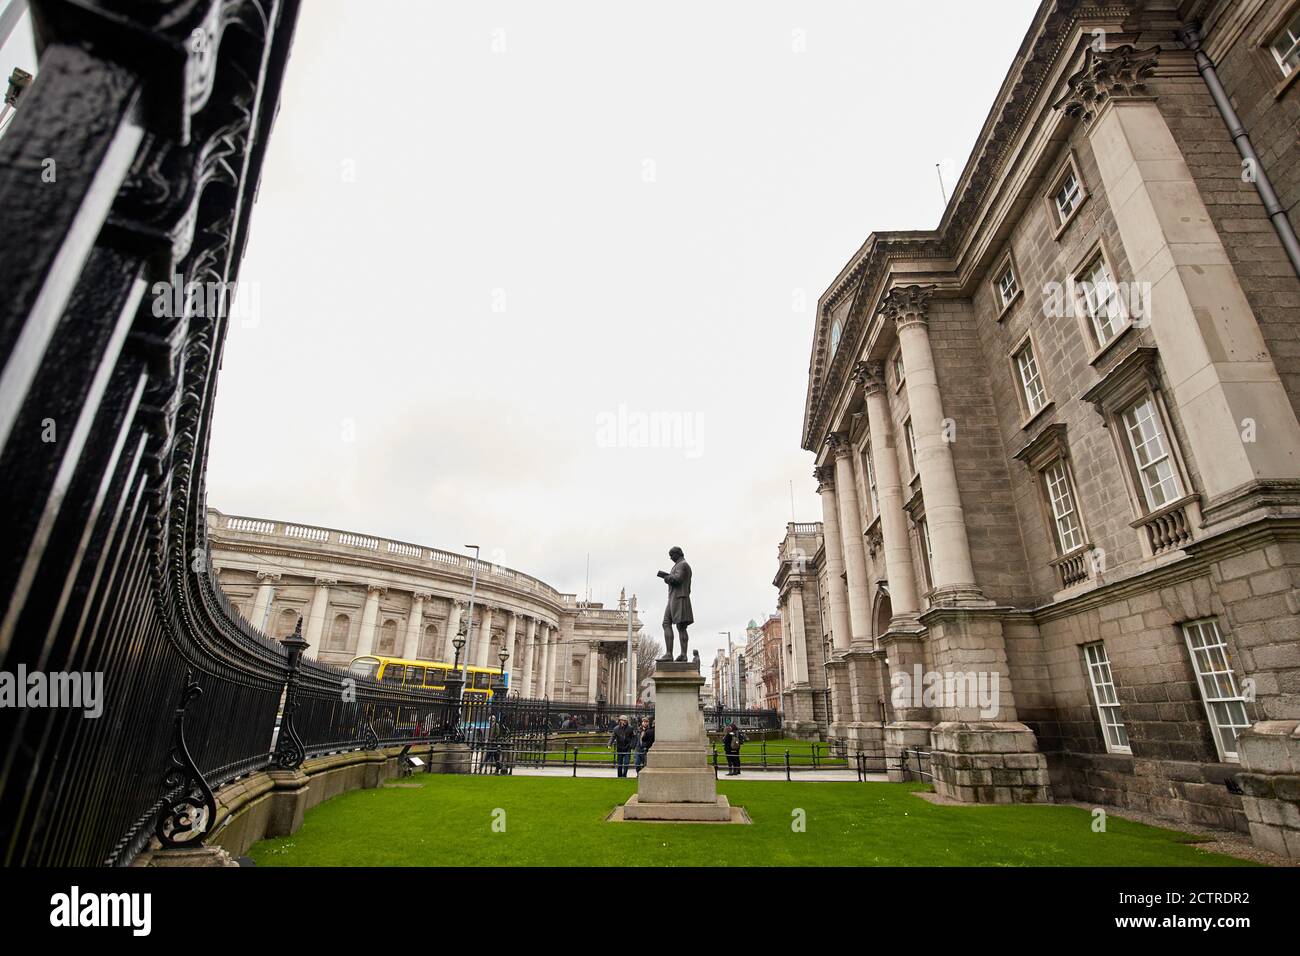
1270	781
800	713
677	782
988	762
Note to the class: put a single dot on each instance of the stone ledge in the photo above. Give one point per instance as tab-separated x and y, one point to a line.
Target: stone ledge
720	811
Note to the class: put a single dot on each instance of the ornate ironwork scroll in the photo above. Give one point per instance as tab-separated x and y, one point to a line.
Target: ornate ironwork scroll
187	817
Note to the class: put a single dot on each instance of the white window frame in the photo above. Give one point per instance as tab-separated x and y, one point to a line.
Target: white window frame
1165	455
927	552
1212	662
1102	679
870	469
1033	390
1060	218
837	332
900	373
1063	482
1288	33
1100	313
909	435
1006	299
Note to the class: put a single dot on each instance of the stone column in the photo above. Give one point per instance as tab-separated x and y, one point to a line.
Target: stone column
315	630
415	624
265	595
954	576
369	615
547	651
841	630
593	670
484	643
889	492
453	628
855	553
512	625
525	670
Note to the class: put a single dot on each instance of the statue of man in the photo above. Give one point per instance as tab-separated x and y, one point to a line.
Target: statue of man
678	613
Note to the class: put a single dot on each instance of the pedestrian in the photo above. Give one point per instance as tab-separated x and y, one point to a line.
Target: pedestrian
731	746
622	741
495	739
644	742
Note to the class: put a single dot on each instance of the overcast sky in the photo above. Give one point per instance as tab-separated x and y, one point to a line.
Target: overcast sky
492	239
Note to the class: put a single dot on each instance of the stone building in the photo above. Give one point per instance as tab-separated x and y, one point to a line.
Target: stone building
358	595
773	662
1056	437
805	694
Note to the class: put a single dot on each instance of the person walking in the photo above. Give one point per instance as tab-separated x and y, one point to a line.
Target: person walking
622	741
731	747
644	742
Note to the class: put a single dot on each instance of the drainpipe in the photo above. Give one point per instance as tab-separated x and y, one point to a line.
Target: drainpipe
1190	35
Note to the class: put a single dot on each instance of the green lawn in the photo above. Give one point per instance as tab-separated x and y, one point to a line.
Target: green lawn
448	820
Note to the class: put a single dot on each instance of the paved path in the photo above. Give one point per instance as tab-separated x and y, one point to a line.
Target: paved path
795	775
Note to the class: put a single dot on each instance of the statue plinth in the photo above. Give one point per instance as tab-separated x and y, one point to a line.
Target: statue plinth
677	782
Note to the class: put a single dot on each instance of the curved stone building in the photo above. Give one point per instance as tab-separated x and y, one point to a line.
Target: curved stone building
358	594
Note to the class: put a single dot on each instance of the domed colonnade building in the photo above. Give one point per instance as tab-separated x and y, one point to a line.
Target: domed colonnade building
359	595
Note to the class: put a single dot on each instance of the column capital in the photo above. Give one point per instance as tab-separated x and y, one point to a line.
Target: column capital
272	577
825	475
839	444
326	582
1107	75
870	376
422	595
907	305
377	589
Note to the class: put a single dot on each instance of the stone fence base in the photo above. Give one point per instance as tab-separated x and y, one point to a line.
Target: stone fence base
272	803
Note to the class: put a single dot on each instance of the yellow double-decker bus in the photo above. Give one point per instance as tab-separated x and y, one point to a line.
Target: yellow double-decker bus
431	675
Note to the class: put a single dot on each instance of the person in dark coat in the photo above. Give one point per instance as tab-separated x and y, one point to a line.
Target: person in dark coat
678	613
623	741
731	747
644	742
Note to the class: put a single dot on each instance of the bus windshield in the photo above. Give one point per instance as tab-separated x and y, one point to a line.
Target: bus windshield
364	667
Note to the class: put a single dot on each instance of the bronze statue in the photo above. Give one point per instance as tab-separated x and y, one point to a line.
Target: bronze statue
678	613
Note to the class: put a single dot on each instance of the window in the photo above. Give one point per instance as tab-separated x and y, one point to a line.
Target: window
911	446
870	472
429	644
899	373
339	633
1101	301
837	330
927	552
387	638
1150	450
1286	46
1031	383
1065	516
1068	195
1103	695
1008	287
1224	704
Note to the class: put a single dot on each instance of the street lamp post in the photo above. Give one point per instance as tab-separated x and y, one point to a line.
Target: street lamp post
631	671
469	627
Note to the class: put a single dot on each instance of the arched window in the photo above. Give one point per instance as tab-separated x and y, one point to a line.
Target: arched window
388	638
837	330
285	622
429	643
339	633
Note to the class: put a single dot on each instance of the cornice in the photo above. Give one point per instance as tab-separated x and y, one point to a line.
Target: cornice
1015	105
